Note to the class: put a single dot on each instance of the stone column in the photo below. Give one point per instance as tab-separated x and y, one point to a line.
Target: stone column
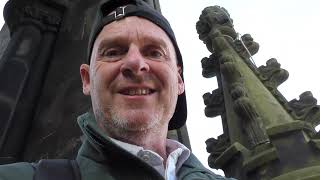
22	68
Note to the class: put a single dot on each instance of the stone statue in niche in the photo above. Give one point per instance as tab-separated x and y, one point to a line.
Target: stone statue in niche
272	75
305	108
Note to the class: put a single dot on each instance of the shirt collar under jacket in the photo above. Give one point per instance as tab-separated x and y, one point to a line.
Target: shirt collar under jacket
178	154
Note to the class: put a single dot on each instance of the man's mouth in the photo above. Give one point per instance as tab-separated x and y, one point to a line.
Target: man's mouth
137	92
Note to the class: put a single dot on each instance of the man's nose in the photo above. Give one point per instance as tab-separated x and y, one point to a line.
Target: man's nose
134	63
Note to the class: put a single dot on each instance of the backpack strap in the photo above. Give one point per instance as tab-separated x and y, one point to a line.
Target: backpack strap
57	169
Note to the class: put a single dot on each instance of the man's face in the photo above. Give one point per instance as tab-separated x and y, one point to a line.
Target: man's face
133	78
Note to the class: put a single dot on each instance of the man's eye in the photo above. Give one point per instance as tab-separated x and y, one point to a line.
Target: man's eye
112	52
155	54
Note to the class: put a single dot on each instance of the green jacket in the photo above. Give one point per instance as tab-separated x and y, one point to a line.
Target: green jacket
101	159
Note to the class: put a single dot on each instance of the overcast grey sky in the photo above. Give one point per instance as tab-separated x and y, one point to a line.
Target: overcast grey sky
286	30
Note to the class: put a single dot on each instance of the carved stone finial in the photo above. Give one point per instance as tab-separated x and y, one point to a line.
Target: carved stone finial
246	44
214	19
306	108
272	75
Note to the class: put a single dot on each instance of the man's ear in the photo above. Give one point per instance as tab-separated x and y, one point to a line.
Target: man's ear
85	77
180	81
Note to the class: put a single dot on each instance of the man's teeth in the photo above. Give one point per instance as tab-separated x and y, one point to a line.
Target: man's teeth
135	92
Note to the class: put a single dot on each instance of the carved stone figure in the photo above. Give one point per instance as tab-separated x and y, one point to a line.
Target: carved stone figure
251	120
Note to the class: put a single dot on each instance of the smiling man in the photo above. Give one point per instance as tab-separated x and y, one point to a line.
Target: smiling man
134	82
134	75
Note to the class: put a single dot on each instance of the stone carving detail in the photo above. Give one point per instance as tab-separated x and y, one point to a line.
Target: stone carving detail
241	103
305	108
214	103
42	15
216	147
213	20
250	118
247	44
210	66
272	75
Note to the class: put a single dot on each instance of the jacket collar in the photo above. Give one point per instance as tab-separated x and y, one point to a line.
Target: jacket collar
98	147
102	145
96	143
92	132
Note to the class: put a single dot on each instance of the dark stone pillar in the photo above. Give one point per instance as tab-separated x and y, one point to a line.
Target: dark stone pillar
22	70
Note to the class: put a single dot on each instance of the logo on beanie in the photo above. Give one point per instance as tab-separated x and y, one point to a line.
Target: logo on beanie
119	13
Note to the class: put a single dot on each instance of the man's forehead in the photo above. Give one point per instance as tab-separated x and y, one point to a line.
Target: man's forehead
134	22
134	27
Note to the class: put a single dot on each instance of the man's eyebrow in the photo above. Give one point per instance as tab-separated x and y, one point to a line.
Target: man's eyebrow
154	40
112	41
145	39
